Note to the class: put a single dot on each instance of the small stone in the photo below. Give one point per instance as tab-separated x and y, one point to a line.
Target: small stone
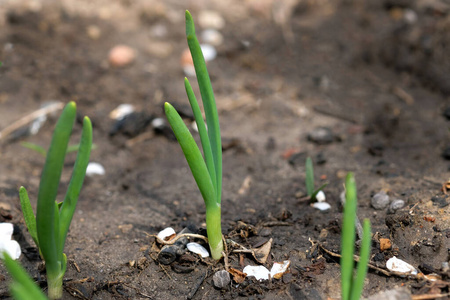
398	265
385	244
396	205
125	228
212	37
321	136
198	249
323	206
259	272
210	19
160	49
320	196
94	168
221	279
380	200
394	294
121	56
93	32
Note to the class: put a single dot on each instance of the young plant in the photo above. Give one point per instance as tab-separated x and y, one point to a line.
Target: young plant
22	286
50	226
352	286
310	191
207	171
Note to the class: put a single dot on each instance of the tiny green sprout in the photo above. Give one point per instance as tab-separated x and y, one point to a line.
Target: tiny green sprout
22	286
310	191
206	171
352	286
50	226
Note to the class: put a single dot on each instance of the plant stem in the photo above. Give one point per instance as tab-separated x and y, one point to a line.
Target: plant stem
214	230
54	283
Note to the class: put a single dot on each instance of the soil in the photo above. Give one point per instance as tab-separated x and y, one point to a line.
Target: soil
376	73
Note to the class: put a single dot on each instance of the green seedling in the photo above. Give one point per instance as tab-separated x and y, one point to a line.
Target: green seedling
50	226
310	191
207	170
22	286
41	150
352	286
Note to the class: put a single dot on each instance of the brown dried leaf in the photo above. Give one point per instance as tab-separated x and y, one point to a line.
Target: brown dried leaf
262	253
238	276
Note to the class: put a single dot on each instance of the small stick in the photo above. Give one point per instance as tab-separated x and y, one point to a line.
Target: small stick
197	286
29	118
176	238
429	296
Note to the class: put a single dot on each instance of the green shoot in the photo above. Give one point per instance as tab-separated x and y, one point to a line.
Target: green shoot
22	287
49	228
207	170
351	286
310	192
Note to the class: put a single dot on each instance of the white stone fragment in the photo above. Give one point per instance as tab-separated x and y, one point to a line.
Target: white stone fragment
6	230
278	269
323	206
209	52
398	265
211	19
259	272
198	249
165	233
94	168
320	196
158	122
212	37
6	244
121	111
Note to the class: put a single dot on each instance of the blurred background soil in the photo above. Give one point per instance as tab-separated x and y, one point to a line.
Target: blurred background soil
373	75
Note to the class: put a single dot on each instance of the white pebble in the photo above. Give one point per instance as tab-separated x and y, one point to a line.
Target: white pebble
121	111
198	249
320	196
278	269
210	19
165	233
158	122
398	265
6	230
212	37
94	168
259	272
321	206
209	52
6	244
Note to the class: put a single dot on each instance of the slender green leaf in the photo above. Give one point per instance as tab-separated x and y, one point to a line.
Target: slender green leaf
348	237
207	152
35	147
209	103
309	177
363	263
28	214
23	287
193	156
76	182
48	189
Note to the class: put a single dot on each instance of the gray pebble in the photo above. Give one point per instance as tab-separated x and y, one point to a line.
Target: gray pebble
221	279
396	205
321	136
380	200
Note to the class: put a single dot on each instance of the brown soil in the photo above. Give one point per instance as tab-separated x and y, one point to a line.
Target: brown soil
286	67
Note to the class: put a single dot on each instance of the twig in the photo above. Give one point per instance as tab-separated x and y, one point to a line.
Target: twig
197	286
429	296
29	118
176	238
